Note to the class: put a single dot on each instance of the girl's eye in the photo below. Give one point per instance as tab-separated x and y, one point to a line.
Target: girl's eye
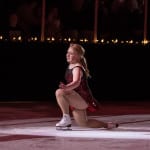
70	54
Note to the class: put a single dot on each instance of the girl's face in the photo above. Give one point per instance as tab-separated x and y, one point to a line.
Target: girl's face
72	56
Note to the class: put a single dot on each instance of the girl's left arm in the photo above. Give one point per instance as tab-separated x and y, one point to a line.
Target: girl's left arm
77	75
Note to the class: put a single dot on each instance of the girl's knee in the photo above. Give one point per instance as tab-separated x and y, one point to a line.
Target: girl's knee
59	92
80	117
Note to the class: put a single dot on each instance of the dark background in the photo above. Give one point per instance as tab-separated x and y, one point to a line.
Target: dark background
32	71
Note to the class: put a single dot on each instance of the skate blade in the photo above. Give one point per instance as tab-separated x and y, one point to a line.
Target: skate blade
67	128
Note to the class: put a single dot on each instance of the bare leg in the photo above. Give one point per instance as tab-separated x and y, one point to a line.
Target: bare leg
82	120
65	122
72	98
62	101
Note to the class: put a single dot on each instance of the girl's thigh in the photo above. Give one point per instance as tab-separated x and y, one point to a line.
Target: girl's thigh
76	101
80	117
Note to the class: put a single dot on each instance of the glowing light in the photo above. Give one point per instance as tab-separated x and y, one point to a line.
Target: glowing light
48	39
115	41
102	40
19	38
85	40
95	41
81	40
131	41
14	38
53	39
69	39
35	38
136	42
145	42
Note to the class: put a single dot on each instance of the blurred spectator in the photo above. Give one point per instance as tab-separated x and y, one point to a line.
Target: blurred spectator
13	32
132	5
29	15
125	19
116	18
53	23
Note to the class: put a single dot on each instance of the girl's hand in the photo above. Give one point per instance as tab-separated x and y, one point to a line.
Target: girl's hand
62	85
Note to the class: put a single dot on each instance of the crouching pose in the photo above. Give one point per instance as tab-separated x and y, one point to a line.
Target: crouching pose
75	93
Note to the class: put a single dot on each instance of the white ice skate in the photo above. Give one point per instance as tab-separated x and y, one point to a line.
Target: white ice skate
111	125
64	123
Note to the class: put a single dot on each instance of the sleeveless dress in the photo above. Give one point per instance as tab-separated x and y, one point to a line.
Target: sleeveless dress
83	90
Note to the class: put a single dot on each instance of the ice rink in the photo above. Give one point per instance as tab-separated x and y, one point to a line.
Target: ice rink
39	133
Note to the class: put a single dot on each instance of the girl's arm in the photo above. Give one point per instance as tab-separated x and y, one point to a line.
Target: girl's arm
77	75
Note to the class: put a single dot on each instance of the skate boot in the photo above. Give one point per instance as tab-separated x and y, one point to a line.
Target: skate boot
64	123
111	125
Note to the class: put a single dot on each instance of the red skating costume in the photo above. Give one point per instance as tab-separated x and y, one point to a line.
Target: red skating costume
83	90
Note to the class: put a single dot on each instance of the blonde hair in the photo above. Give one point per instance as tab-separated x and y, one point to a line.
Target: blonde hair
81	51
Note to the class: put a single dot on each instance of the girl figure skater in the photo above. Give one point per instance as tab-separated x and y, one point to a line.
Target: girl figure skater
75	93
